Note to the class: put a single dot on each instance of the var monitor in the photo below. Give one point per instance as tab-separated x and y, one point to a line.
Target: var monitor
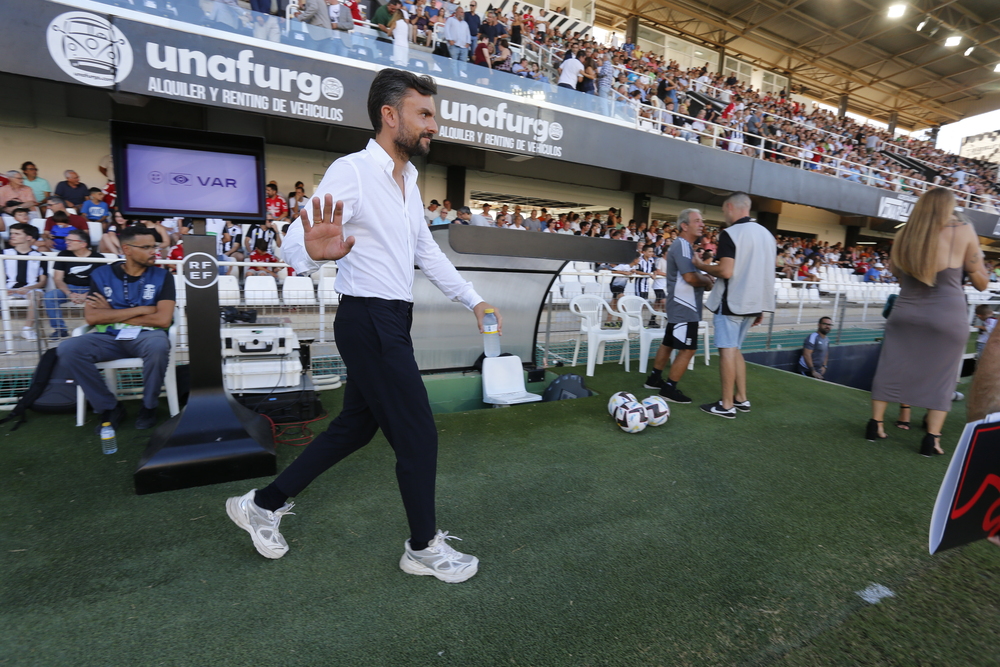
170	172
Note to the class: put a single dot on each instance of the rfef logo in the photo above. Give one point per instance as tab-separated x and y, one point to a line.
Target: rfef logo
89	49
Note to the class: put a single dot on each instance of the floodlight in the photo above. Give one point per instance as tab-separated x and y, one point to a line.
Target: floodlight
895	11
920	26
954	40
997	68
969	50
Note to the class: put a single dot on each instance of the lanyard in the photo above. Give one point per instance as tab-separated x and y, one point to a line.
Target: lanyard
141	283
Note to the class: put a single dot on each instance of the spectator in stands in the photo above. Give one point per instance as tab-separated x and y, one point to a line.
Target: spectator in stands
449	211
430	213
39	186
56	229
17	195
70	280
441	218
456	33
382	18
816	351
94	209
268	232
25	280
266	27
874	273
232	248
483	219
570	72
296	201
72	190
260	254
985	323
473	19
277	209
491	28
109	240
462	215
130	305
316	17
745	265
532	223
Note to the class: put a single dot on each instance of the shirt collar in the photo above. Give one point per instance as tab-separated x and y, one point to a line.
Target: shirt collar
385	162
745	218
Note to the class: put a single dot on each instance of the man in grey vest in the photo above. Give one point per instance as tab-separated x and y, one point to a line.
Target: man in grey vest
746	254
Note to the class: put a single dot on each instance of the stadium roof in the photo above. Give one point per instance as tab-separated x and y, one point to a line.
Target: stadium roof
849	46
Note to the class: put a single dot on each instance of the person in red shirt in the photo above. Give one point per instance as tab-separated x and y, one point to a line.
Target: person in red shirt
277	209
260	254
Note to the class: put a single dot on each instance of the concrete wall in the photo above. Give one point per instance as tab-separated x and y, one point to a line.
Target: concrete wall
825	225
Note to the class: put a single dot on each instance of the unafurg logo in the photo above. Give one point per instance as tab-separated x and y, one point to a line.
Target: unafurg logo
499	119
89	49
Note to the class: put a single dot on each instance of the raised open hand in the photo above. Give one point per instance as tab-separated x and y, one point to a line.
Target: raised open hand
324	237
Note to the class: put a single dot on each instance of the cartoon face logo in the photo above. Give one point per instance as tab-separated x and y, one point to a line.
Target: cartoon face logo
108	293
332	88
89	49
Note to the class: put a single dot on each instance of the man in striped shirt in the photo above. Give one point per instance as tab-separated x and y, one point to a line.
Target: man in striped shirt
25	279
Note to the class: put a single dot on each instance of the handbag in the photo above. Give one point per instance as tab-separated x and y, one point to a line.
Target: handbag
889	303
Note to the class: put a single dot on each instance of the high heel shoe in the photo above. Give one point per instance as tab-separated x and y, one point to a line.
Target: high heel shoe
871	431
928	446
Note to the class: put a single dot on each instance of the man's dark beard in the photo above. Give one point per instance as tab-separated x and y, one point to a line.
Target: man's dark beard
409	145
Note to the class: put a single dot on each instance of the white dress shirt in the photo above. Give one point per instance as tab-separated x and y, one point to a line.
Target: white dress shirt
458	32
390	231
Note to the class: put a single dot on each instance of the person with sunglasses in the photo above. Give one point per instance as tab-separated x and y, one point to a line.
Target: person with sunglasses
130	304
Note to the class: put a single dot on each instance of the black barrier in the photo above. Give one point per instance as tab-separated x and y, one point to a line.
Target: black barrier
214	439
850	365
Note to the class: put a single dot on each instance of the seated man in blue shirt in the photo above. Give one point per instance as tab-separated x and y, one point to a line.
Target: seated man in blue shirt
874	273
130	305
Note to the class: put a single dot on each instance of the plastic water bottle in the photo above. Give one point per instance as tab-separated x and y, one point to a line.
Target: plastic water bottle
491	334
109	444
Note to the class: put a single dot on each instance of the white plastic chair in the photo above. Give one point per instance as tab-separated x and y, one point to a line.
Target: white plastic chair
634	308
96	230
503	382
112	367
298	291
591	310
261	291
229	290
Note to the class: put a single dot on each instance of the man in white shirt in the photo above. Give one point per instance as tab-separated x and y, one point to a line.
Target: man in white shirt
570	72
456	33
431	211
376	240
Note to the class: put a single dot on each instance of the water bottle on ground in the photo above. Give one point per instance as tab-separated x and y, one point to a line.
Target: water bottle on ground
109	444
491	334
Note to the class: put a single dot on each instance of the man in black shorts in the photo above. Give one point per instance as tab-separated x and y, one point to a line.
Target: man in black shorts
685	287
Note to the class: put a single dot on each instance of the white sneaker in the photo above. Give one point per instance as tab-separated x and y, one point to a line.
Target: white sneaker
28	333
439	560
958	396
260	523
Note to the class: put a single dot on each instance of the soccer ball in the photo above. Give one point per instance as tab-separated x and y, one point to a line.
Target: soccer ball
657	409
631	417
620	398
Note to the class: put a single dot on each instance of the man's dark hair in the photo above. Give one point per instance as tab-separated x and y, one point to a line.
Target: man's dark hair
59	216
825	317
260	245
130	232
77	233
30	230
27	164
21	209
648	246
389	88
93	190
272	186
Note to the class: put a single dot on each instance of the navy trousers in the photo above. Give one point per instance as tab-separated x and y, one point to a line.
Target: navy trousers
383	390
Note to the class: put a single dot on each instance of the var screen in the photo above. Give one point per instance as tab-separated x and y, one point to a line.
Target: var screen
167	179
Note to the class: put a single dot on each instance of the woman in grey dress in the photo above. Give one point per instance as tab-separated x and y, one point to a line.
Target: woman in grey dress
928	329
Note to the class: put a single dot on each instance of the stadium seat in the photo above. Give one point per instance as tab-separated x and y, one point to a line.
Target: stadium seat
298	291
111	369
591	310
229	291
503	382
634	309
96	230
181	290
260	291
